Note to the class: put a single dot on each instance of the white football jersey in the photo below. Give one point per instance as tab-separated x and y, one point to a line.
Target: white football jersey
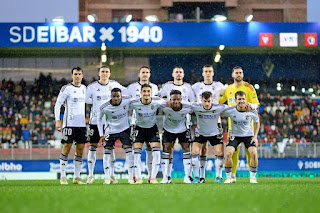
116	117
146	114
216	88
187	93
241	121
97	94
207	119
134	90
74	97
175	121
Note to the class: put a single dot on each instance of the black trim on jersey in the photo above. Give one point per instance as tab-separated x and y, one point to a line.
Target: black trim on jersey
75	85
66	111
177	84
207	84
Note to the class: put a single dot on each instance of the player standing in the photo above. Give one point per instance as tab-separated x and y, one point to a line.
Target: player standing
98	92
116	114
241	132
207	129
134	90
74	125
229	97
146	131
187	94
175	128
215	88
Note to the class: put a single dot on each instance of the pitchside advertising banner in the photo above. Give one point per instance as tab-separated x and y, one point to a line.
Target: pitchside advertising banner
141	34
277	167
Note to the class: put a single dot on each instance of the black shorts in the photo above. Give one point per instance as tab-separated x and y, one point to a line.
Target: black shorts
214	140
123	136
74	134
147	134
183	137
235	141
93	134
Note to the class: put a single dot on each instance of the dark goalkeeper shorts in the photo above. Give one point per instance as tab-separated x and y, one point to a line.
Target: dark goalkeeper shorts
235	141
74	134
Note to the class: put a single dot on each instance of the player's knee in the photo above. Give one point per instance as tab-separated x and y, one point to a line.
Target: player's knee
195	152
167	147
219	153
185	147
229	154
204	150
253	153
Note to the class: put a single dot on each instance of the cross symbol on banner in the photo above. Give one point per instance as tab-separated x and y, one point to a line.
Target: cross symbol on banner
106	34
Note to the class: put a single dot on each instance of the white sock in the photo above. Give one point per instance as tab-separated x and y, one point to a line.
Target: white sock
91	159
107	163
113	161
129	161
165	164
149	159
203	164
253	172
155	162
218	163
195	165
77	166
187	164
233	175
228	171
63	165
137	162
170	167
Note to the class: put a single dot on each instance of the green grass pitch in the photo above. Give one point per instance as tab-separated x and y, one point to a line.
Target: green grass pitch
270	195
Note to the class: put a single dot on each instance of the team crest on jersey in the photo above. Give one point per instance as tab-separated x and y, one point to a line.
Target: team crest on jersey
82	91
182	115
152	107
124	107
75	100
214	111
247	117
213	87
200	116
110	88
114	117
65	138
184	90
98	98
140	114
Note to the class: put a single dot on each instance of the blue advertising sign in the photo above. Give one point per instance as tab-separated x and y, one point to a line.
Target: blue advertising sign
265	165
142	34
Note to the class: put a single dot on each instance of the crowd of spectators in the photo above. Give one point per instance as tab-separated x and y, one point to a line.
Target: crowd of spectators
26	113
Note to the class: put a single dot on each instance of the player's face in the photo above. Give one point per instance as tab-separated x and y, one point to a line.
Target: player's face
207	103
104	73
175	101
77	76
116	98
207	73
241	100
178	74
144	74
146	93
237	75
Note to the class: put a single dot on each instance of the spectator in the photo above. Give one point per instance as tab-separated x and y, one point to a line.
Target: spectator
315	137
42	139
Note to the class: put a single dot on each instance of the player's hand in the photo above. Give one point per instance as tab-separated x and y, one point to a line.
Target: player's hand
132	131
59	125
168	103
248	107
255	140
102	139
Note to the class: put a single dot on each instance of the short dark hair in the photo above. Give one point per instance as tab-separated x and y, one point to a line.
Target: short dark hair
239	93
116	90
103	66
175	92
207	66
206	94
146	85
179	67
236	67
76	68
144	67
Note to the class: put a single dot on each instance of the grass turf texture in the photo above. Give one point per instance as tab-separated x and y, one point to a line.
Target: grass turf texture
270	195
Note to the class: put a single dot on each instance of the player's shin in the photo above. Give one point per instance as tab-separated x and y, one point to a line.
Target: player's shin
235	160
63	164
77	166
155	162
149	158
91	159
218	163
107	162
203	164
195	165
187	163
113	160
165	164
137	162
129	161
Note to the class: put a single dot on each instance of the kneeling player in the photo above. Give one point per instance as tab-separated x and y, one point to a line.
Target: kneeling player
116	112
241	132
207	130
146	131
